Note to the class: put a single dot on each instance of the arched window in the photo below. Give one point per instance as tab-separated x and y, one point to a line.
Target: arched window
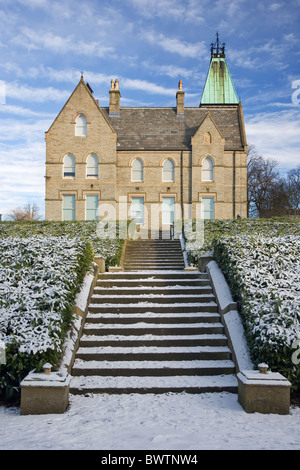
80	126
168	170
137	170
69	166
207	169
92	166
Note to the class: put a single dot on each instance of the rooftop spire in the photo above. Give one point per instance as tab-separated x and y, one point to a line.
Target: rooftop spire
216	48
219	88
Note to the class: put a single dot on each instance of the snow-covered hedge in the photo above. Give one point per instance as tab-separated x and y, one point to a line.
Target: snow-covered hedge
109	246
264	275
39	277
214	229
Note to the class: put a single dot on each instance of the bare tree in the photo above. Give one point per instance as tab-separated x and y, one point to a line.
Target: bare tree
262	180
293	190
29	212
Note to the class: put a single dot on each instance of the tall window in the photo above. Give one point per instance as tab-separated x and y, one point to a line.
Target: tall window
207	169
91	207
92	166
168	170
137	209
137	170
81	126
68	207
208	208
69	166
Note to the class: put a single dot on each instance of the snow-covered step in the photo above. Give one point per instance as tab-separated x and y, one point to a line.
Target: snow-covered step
152	368
175	384
142	328
158	317
118	298
150	291
146	353
153	329
153	340
144	307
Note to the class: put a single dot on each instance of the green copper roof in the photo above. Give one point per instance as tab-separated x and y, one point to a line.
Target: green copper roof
219	88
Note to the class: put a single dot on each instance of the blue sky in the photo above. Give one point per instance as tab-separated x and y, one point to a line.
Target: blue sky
149	45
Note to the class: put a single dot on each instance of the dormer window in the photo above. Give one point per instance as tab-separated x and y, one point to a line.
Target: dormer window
81	126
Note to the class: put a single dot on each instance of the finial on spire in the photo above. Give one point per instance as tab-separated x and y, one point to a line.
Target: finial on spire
217	49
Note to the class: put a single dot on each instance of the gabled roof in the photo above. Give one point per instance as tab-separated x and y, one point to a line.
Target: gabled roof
161	128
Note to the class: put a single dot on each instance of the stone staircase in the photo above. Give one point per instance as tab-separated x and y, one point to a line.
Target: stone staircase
157	254
153	332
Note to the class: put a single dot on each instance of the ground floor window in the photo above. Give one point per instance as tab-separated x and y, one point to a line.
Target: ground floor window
208	208
91	207
137	209
68	207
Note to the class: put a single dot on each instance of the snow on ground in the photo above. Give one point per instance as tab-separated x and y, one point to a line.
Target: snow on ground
151	422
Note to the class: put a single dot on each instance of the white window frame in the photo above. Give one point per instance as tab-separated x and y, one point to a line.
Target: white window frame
137	209
208	171
92	171
89	211
72	210
81	126
72	166
137	174
211	211
168	174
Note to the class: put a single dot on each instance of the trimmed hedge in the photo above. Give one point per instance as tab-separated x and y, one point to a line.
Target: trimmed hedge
264	276
39	278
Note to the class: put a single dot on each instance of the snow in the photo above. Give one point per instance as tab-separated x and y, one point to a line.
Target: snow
210	421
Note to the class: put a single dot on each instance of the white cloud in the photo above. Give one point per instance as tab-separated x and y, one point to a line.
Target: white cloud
190	11
176	46
39	95
276	135
58	44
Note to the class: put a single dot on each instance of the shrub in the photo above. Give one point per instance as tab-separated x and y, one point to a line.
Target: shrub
39	277
264	276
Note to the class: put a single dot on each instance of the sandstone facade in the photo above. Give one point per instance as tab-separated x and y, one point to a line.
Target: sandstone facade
116	137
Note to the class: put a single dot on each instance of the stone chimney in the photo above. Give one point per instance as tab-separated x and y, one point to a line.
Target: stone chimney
114	98
180	99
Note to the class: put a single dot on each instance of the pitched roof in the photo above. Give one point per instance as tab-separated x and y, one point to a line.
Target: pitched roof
219	88
162	129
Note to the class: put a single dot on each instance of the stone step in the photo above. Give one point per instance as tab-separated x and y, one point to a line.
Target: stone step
172	384
152	368
138	283
154	275
130	316
155	328
144	307
153	340
153	353
159	290
151	298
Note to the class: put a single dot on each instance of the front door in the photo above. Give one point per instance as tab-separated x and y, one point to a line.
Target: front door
168	210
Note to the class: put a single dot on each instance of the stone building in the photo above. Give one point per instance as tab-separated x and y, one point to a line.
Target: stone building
135	160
